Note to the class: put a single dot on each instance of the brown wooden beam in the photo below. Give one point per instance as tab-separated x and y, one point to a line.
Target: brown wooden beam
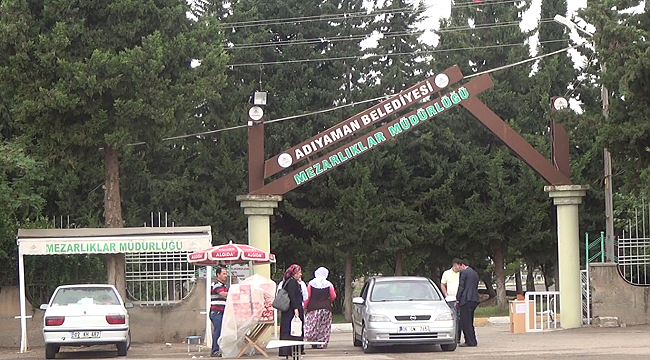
560	156
255	154
515	142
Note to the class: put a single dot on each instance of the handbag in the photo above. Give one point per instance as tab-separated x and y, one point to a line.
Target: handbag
296	326
282	301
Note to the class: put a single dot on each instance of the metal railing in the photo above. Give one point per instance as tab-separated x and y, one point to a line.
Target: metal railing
541	310
159	278
163	278
633	247
599	245
586	296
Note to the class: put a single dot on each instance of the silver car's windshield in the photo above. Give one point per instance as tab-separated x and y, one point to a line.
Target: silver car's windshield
85	296
404	291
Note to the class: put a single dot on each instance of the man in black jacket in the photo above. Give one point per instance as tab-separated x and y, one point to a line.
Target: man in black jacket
467	300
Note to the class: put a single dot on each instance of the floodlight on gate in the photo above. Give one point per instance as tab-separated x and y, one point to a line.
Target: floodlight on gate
260	98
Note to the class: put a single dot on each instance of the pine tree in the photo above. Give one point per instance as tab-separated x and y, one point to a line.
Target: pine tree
305	54
396	63
622	52
103	75
490	206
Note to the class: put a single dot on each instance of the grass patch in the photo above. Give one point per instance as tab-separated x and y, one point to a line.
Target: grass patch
489	311
338	319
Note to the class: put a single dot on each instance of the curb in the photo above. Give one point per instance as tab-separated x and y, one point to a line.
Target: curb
344	327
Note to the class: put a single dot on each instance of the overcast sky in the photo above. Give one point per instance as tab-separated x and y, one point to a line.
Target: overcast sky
442	8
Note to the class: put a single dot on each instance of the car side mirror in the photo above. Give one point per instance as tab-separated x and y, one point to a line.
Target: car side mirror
43	307
128	305
358	300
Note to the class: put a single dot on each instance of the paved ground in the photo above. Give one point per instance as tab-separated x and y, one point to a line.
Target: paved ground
495	342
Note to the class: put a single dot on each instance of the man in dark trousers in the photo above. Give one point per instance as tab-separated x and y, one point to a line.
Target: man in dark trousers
218	295
467	300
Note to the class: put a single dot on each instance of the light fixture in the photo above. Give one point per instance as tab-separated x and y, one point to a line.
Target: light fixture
260	98
441	80
255	113
559	103
570	24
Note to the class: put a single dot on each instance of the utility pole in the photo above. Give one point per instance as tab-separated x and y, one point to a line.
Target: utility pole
609	201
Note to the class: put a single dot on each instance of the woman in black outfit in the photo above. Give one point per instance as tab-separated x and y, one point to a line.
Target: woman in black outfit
290	284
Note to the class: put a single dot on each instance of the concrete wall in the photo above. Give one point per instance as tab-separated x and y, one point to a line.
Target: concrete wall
10	326
148	324
613	296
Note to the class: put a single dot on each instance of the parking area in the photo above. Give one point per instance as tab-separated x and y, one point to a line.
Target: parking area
495	342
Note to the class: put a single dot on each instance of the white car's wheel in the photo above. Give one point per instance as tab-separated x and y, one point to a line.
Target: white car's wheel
365	344
50	351
122	348
355	340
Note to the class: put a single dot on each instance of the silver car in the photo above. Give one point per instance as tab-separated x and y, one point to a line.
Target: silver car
402	310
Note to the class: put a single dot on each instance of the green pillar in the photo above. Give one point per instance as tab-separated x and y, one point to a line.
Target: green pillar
258	209
566	199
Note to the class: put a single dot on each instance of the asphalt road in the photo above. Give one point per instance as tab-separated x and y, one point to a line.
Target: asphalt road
495	342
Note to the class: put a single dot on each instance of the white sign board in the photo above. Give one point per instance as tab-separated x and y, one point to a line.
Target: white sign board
113	245
239	271
520	308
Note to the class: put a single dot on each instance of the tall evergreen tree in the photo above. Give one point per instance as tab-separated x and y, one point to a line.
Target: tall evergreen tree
623	55
553	76
489	185
305	54
97	76
396	63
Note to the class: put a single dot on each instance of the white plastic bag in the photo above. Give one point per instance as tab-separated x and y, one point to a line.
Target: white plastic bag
296	326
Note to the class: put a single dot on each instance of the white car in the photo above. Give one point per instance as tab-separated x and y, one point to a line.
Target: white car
89	314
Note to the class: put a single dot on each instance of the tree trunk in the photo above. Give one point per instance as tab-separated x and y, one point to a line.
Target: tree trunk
557	275
489	286
530	277
500	273
398	263
113	218
347	303
519	286
433	275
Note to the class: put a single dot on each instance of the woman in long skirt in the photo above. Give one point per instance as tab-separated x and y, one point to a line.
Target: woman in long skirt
318	320
290	284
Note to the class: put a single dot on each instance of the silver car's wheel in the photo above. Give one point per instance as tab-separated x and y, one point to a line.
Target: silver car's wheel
448	347
355	340
365	344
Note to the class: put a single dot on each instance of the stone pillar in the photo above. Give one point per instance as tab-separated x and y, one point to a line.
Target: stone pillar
258	209
566	199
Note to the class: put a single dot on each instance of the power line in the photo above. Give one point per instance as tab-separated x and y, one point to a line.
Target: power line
345	16
378	98
577	83
419	52
201	133
524	61
272	121
386	35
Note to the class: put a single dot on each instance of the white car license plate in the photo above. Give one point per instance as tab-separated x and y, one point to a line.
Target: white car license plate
85	334
410	329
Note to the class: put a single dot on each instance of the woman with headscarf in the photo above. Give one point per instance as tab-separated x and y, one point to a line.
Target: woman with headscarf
318	320
290	284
